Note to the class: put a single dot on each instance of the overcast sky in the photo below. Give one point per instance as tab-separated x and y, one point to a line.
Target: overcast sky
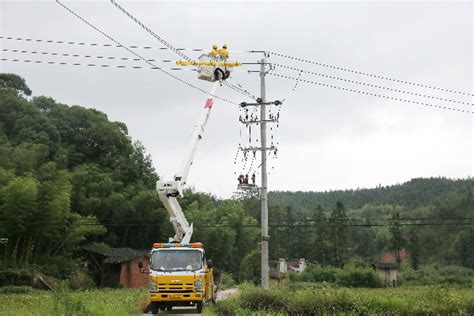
328	138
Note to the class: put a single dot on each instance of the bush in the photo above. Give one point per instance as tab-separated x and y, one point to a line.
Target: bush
81	281
65	304
388	301
227	281
13	289
250	267
350	276
357	277
438	275
255	298
60	267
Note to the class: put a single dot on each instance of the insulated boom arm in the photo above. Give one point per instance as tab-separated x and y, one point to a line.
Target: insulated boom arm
169	191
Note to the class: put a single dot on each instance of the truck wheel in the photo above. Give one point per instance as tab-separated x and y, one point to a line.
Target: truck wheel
169	307
154	308
199	306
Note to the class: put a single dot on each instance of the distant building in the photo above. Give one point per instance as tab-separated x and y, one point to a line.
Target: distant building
388	272
281	267
116	267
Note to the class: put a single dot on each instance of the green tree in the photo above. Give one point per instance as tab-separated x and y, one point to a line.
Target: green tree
397	241
414	248
250	267
338	234
14	83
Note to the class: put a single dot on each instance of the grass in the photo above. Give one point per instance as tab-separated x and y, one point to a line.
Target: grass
63	302
317	299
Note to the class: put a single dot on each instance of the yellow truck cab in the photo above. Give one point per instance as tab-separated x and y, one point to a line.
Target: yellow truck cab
180	275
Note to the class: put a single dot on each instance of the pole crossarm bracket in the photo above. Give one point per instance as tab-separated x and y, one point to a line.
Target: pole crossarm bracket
208	63
259	103
257	121
247	149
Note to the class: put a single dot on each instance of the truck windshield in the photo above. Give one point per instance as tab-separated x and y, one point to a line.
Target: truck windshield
176	260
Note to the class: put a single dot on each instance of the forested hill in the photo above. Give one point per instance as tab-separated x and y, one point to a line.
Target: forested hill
414	193
69	176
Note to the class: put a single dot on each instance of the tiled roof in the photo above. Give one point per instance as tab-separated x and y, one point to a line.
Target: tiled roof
117	255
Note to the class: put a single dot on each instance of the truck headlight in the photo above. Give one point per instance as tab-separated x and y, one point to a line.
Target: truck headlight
198	285
153	286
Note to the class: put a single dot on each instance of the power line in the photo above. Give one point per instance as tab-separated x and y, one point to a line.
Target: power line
81	56
67	42
344	219
141	57
371	85
369	74
172	48
91	64
373	94
277	225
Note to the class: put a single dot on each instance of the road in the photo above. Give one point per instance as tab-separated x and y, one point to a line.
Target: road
221	295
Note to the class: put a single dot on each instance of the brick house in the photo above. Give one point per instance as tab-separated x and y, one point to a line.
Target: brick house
116	267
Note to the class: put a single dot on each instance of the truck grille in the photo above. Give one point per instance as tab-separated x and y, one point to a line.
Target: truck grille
175	287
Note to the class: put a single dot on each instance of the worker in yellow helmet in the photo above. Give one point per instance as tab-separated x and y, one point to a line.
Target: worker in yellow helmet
214	52
223	52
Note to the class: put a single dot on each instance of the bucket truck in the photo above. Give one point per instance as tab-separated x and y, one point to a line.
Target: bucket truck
179	273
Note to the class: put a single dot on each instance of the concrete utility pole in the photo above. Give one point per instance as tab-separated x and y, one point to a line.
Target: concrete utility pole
263	190
262	103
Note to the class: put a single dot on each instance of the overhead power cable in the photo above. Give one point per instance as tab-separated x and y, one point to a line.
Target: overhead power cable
372	94
369	74
172	48
81	56
140	56
92	64
67	42
370	85
324	220
276	225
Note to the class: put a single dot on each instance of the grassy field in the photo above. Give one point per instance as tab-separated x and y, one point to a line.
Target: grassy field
93	302
291	299
314	299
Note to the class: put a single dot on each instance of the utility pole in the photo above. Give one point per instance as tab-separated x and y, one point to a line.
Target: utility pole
265	268
263	190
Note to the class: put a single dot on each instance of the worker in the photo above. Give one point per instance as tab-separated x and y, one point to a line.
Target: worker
223	52
214	52
246	180
195	262
253	179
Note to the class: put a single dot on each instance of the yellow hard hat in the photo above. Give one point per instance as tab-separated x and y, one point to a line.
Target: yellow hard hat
224	46
214	46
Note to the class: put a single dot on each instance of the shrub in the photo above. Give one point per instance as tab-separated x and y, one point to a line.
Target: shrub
13	289
227	281
65	304
250	267
316	274
389	301
438	275
81	281
350	276
255	298
356	277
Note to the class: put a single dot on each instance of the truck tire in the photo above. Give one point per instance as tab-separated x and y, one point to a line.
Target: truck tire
154	307
199	306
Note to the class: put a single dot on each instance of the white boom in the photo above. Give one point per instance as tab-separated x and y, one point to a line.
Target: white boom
169	191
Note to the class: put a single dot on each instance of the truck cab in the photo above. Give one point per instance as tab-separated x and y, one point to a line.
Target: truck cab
180	275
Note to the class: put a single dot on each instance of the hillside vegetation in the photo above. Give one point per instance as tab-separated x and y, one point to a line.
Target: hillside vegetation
70	177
